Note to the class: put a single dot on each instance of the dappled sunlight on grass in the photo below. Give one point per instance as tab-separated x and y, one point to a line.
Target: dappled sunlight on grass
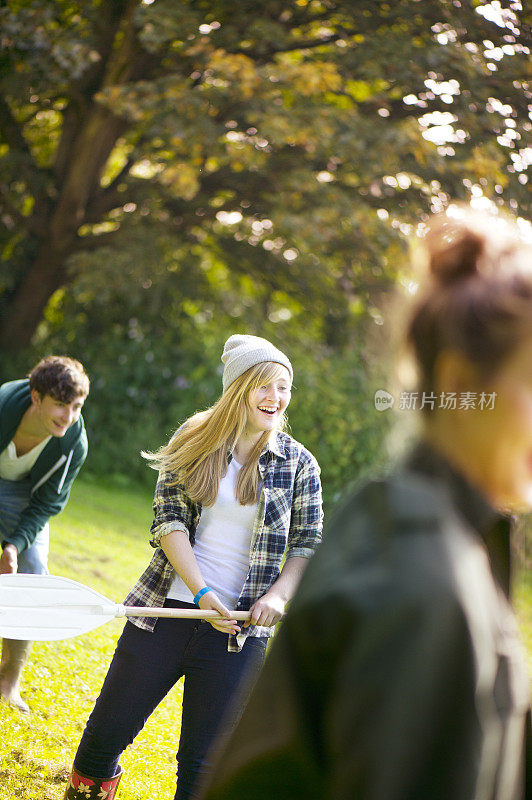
101	540
523	607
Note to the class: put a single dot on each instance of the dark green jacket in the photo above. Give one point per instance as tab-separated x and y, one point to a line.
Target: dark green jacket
397	673
54	471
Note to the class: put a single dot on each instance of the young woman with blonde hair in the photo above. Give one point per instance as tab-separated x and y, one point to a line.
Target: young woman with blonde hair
235	496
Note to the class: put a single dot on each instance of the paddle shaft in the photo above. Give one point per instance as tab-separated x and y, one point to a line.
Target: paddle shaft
179	613
50	607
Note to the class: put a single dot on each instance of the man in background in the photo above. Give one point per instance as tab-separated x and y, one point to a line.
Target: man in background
42	447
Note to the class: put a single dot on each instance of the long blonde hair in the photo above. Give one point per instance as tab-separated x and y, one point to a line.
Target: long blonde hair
196	456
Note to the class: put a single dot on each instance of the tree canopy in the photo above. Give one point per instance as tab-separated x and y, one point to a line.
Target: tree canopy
277	140
175	171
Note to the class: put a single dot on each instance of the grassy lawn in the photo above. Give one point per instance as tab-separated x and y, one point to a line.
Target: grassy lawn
101	541
523	606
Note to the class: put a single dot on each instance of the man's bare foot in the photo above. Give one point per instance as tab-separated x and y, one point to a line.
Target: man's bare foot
11	695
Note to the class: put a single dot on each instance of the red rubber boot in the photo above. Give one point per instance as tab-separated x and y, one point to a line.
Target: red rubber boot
81	787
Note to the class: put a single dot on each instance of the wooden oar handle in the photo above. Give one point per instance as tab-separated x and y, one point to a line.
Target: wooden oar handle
178	613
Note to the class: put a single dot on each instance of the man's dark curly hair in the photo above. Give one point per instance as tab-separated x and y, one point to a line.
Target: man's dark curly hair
61	377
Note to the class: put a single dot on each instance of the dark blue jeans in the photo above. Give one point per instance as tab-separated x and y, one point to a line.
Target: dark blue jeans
144	668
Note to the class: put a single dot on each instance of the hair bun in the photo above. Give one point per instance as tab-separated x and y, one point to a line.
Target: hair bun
454	250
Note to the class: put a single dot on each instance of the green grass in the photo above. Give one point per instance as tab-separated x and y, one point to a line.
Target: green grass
101	541
523	607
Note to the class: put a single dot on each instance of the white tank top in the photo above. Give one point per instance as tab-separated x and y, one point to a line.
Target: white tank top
222	543
15	468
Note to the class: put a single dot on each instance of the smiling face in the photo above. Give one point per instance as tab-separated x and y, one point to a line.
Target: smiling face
53	417
266	404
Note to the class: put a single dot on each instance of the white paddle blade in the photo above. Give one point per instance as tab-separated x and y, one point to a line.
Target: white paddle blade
49	607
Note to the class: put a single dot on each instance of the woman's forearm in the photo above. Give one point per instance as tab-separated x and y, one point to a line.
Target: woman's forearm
269	608
286	584
178	550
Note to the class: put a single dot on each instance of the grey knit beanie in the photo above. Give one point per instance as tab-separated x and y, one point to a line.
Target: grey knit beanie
242	351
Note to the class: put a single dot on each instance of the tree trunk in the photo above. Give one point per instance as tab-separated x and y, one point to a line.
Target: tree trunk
23	311
82	155
22	315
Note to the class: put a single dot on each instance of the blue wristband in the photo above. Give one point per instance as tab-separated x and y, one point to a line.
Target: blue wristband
200	594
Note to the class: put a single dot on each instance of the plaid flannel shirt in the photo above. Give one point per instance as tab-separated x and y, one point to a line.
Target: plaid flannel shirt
289	520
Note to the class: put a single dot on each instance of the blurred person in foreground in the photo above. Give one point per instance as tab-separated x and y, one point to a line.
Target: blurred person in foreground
398	673
42	447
